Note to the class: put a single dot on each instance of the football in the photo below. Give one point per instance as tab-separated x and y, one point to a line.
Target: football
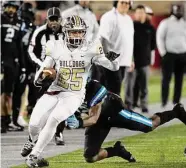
49	72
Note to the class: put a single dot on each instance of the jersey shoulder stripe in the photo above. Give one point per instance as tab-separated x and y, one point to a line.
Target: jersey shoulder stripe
38	33
102	92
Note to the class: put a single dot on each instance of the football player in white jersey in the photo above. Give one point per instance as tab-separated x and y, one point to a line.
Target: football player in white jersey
72	59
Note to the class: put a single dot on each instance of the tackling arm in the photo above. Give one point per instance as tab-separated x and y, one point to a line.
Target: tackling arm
94	114
89	120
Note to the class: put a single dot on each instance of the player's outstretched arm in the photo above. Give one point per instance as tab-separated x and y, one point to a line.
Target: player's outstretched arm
108	60
105	62
91	119
94	113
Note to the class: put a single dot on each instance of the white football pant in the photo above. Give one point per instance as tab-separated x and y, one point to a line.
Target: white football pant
49	111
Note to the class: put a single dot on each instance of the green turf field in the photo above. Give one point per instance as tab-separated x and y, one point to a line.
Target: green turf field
162	148
155	89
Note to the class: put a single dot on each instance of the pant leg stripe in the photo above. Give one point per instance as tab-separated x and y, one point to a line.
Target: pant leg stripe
137	118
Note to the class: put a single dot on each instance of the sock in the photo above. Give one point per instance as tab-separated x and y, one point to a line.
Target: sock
45	136
33	132
15	115
111	151
60	128
8	120
29	138
166	116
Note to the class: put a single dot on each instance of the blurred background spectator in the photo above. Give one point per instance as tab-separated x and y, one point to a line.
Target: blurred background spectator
12	59
116	33
26	13
144	42
171	42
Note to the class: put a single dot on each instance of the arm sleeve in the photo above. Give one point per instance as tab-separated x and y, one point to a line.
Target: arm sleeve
31	48
103	61
160	37
95	93
100	58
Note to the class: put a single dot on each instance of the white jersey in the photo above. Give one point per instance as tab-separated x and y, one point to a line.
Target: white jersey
73	66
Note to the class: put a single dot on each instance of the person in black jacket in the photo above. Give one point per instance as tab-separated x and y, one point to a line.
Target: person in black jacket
26	12
11	59
144	43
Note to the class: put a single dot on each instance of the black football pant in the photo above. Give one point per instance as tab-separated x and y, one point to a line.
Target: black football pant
113	79
96	134
172	63
97	73
8	81
17	95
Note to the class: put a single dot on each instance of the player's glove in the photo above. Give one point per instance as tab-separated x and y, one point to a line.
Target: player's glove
23	75
112	55
72	122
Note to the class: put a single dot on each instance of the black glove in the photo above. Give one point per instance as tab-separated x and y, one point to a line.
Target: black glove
112	55
22	75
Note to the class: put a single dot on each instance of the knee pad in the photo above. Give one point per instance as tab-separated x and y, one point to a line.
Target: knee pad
90	155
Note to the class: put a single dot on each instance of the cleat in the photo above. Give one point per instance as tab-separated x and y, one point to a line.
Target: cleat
3	130
34	161
144	110
15	127
59	139
135	105
185	151
123	153
27	148
180	112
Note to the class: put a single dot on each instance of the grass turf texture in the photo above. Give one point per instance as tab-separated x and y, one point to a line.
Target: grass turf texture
162	148
155	89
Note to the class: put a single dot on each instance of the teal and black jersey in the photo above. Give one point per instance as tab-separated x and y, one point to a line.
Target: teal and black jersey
95	93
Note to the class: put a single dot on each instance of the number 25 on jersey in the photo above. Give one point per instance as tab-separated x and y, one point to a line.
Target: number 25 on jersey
68	78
